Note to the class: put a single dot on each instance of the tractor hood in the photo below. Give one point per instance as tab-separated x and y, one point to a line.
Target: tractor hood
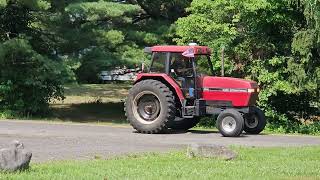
227	83
229	91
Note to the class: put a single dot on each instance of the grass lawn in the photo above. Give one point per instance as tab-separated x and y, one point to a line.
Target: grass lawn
91	103
252	163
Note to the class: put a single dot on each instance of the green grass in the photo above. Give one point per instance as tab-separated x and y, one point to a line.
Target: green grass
252	163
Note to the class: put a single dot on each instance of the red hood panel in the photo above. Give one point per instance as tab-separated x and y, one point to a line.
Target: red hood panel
227	82
228	89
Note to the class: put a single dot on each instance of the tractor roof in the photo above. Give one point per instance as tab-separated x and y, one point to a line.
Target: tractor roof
181	49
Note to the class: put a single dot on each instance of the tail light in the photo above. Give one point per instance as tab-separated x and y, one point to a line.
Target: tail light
251	90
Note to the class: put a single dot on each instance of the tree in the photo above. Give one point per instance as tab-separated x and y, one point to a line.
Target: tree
30	77
55	41
94	34
104	34
169	10
273	42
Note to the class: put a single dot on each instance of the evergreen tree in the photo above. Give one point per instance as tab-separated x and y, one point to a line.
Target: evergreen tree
29	75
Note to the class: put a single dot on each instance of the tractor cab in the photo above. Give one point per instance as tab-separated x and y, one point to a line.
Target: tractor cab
180	63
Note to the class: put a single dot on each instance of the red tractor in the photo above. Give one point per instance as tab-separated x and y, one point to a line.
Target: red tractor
175	94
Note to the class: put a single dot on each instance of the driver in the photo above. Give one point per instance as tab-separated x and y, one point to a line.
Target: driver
179	65
180	69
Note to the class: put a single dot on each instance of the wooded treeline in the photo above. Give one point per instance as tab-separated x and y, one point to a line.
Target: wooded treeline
46	43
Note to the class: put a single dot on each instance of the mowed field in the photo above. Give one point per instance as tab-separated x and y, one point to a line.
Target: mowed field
92	103
251	163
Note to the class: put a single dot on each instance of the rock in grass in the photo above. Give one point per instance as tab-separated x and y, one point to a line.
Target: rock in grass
14	157
210	151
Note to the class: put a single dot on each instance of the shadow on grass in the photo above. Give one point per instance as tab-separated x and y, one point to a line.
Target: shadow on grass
111	112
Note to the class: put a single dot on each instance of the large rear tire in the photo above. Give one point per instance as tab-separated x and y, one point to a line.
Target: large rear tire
150	107
230	123
184	123
255	122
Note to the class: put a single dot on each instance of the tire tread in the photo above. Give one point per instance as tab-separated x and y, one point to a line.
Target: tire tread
169	99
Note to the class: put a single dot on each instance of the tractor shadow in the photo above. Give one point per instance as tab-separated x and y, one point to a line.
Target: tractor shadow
170	131
110	112
195	131
213	132
203	131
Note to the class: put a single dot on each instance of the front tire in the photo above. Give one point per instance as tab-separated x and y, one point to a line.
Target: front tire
230	123
255	122
150	107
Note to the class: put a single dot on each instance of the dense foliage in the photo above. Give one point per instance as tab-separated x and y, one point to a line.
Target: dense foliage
273	42
29	80
30	76
101	35
49	42
45	43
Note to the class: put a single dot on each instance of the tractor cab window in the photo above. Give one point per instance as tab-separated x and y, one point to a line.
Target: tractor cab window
203	65
159	62
180	66
181	70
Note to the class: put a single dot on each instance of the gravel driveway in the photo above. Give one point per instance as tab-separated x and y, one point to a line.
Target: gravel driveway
55	141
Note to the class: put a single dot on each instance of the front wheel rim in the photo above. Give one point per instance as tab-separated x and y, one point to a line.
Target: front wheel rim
229	124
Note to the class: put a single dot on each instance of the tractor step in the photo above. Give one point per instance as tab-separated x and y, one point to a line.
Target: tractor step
188	111
198	110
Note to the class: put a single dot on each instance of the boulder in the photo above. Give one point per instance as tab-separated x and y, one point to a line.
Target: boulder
15	157
210	151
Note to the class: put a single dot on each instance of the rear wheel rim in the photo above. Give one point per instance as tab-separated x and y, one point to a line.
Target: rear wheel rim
252	122
146	107
229	124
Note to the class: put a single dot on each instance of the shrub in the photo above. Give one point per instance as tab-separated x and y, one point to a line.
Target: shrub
28	80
